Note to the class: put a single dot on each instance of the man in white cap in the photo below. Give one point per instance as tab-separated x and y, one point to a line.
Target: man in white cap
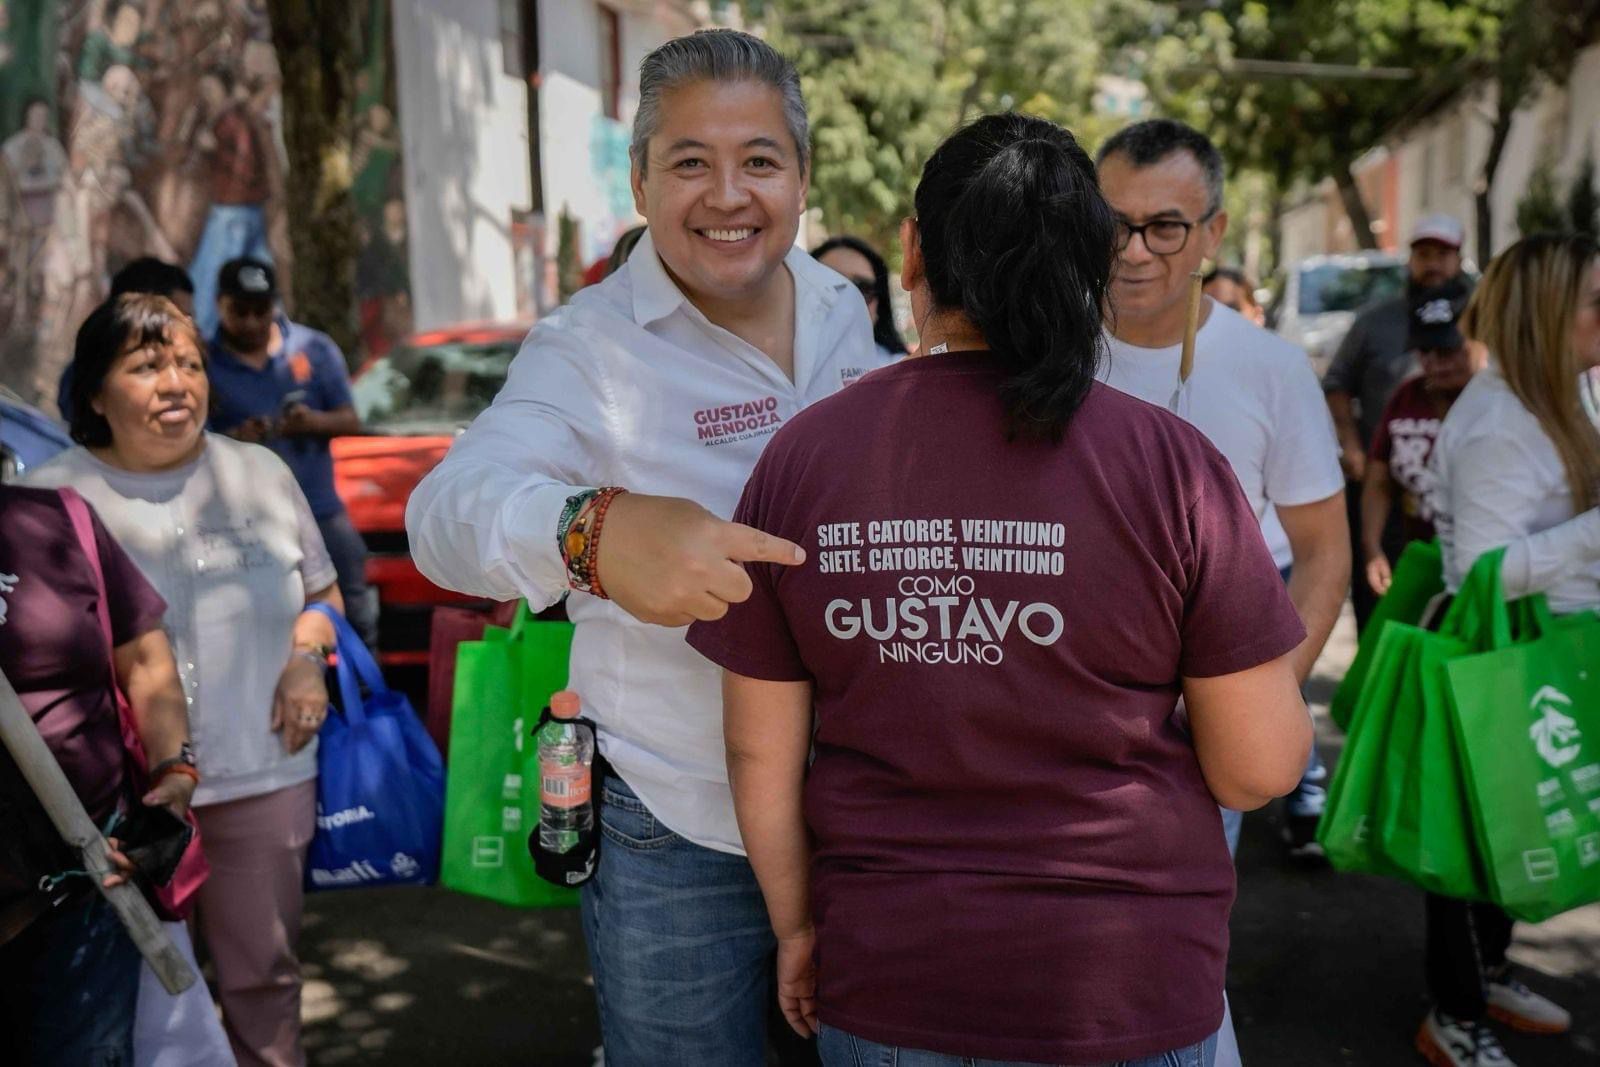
1374	358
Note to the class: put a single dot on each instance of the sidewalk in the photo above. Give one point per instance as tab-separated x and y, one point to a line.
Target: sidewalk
1326	968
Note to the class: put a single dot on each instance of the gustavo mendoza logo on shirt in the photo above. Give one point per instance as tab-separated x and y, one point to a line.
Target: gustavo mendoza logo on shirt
737	422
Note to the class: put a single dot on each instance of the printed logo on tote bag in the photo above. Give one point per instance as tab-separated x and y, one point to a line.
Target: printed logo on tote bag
1555	734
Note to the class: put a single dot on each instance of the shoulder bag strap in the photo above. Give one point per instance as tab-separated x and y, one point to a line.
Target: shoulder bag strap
83	527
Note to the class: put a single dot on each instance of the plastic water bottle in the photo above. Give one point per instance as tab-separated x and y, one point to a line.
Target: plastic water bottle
566	763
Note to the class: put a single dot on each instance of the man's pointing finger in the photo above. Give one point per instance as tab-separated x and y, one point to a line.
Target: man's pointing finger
746	544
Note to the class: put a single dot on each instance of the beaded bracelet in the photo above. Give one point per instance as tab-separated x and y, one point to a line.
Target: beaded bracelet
188	770
569	511
579	537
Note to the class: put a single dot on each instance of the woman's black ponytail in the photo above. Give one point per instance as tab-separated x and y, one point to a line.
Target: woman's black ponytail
1016	235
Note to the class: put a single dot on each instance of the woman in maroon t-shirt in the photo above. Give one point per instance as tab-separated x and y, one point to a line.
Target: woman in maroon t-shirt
69	974
1007	845
1403	441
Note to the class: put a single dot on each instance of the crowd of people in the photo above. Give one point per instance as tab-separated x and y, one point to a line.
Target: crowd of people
933	684
204	466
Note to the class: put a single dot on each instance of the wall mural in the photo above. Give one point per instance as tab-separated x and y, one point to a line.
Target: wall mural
154	127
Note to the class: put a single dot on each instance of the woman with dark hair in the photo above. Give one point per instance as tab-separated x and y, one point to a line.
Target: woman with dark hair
866	270
225	535
1007	846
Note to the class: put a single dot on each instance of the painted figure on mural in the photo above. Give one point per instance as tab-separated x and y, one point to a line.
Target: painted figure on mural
383	284
201	41
155	128
114	34
377	149
15	251
37	163
235	148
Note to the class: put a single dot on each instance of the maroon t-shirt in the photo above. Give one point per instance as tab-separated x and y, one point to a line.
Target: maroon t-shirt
1016	856
1404	440
51	646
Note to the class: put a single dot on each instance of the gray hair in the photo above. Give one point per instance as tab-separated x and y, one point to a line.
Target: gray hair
1149	142
719	55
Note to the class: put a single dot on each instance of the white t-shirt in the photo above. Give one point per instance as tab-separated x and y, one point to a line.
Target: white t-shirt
1257	398
228	540
1498	480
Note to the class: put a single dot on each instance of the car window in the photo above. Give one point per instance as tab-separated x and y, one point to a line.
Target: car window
1348	286
433	388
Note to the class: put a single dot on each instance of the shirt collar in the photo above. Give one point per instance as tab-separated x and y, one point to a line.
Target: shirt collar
656	295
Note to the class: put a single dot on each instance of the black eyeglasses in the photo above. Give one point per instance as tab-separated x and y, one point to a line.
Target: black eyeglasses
1163	237
867	286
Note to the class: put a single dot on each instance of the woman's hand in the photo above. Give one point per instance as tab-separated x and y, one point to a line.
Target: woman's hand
173	792
1379	573
124	866
797	980
301	702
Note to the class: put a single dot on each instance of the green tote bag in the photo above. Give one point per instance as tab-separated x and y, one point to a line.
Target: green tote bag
1424	822
492	781
1418	578
1350	830
1527	721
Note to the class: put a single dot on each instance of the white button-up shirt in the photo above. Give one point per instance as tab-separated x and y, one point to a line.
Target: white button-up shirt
1500	481
631	385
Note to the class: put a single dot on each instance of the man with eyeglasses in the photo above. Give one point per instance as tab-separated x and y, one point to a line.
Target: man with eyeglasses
1251	392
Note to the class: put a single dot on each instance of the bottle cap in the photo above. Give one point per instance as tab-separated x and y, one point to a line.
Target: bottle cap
564	705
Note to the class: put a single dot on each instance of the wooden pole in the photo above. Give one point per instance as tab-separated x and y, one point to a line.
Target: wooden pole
44	776
1191	327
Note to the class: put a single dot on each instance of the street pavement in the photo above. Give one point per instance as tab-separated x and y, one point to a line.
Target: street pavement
1326	968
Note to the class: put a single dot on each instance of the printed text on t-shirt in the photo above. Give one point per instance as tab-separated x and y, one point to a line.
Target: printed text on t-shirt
937	616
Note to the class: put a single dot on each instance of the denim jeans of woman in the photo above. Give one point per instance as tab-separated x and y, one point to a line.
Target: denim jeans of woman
69	985
840	1049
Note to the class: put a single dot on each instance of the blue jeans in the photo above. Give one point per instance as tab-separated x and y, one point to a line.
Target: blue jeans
349	554
840	1049
69	984
679	944
232	230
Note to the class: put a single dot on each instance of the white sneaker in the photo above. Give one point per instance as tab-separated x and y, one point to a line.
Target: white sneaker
1521	1008
1445	1041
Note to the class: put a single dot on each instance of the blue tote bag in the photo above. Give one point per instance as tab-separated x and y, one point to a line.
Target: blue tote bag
380	784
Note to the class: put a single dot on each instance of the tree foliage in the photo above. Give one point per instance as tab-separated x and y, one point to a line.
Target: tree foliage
1204	63
1212	65
1539	209
1583	200
887	80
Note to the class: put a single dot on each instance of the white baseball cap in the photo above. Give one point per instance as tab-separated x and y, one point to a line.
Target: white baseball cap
1446	229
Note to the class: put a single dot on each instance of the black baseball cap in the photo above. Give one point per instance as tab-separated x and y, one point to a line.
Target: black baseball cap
1434	314
247	279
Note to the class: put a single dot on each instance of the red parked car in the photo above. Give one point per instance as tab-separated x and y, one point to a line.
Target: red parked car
413	402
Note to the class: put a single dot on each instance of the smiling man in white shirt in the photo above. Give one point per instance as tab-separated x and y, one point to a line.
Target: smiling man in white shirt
667	379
